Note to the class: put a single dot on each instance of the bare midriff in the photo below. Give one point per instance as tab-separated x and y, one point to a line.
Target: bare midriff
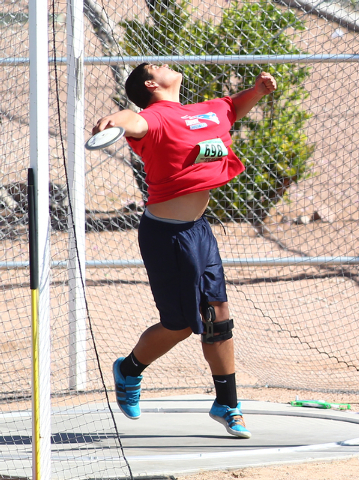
187	207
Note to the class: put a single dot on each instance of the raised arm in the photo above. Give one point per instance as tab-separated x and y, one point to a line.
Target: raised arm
244	101
134	125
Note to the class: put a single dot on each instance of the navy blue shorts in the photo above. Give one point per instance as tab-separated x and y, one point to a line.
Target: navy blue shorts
184	269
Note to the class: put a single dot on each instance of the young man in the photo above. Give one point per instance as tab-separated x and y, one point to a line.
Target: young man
186	153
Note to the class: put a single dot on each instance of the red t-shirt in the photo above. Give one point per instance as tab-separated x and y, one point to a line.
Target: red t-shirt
168	149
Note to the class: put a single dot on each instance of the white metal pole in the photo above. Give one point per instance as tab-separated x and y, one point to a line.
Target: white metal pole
76	174
39	162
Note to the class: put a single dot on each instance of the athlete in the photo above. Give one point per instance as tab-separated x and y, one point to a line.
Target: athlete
186	152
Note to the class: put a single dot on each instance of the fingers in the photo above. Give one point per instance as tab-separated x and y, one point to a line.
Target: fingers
102	124
267	81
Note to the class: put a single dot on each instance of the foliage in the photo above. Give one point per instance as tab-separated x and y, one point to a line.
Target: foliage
271	141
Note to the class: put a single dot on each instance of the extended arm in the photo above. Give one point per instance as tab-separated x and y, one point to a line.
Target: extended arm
134	125
244	101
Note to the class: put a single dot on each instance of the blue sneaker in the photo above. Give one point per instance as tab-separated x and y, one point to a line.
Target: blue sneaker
127	391
231	418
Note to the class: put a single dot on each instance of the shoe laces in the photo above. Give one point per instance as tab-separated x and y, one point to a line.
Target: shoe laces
236	417
238	420
133	396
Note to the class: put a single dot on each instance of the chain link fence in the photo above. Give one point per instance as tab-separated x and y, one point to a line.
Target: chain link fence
287	228
295	324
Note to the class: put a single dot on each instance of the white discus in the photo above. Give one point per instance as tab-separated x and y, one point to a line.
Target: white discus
105	138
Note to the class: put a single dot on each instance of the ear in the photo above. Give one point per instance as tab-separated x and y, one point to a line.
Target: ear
151	84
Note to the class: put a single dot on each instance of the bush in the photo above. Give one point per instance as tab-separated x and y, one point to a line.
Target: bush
272	143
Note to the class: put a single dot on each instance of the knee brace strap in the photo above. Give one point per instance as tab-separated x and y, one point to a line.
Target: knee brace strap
224	329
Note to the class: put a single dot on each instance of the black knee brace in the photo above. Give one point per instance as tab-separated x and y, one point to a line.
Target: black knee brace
224	329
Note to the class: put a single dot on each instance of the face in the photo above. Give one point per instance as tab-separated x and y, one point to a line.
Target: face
164	76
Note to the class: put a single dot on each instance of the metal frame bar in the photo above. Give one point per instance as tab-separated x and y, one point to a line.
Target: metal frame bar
227	262
76	182
200	59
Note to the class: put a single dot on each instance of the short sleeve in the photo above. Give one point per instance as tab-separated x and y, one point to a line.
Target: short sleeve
232	114
153	120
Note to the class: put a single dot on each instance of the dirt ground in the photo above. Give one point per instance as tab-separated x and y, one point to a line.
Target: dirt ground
336	470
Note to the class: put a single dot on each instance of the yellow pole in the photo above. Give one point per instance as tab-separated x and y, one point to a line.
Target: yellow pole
34	287
35	379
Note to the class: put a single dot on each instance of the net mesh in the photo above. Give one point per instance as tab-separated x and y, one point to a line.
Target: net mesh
295	325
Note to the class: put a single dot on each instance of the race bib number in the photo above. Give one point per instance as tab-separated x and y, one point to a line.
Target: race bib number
211	150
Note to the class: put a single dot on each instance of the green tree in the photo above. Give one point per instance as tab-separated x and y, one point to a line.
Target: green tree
271	143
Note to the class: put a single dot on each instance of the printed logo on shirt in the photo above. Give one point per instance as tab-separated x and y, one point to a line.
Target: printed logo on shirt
192	121
198	125
210	116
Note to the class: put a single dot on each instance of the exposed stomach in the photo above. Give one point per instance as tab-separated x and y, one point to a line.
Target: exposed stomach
187	207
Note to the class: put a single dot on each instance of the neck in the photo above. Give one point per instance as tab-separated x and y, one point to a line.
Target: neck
170	97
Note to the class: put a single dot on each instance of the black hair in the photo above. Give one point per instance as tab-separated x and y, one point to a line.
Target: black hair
135	87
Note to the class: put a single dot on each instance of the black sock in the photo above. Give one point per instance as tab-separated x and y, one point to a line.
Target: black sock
131	367
226	391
